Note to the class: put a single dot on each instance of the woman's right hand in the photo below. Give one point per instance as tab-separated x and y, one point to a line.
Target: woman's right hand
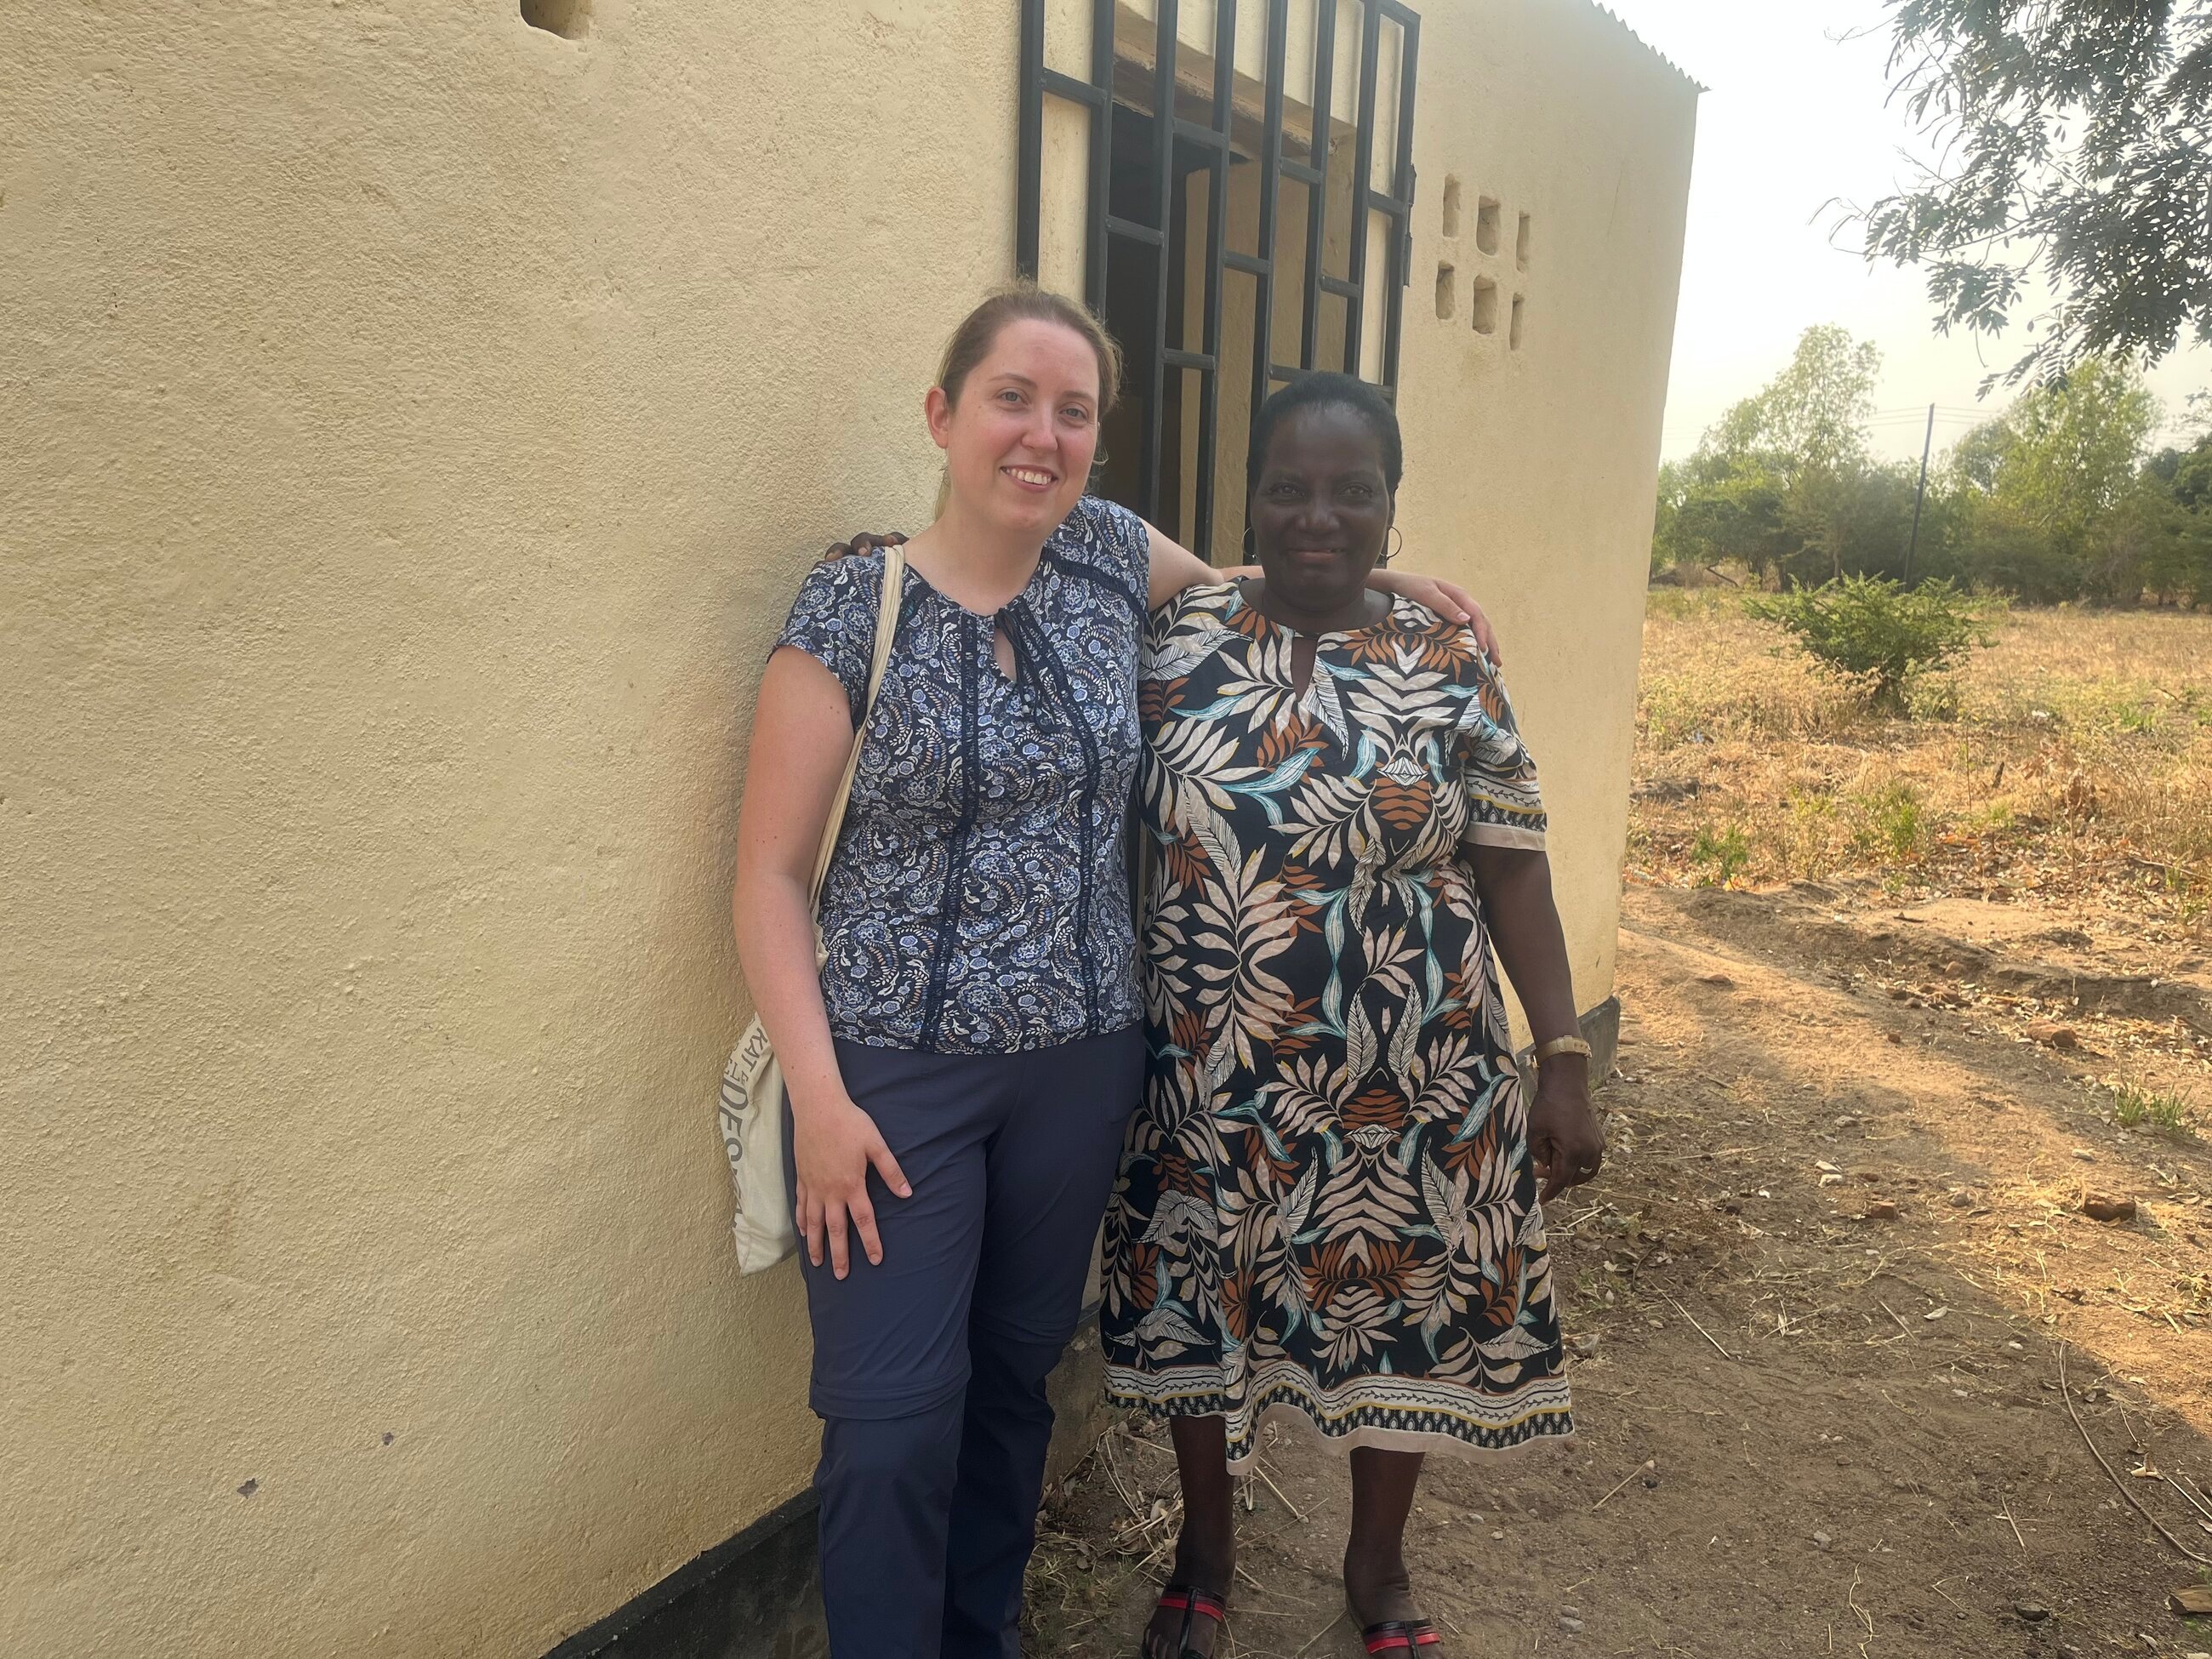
834	1143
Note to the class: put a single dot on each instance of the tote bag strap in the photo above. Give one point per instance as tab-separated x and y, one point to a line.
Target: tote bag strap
887	616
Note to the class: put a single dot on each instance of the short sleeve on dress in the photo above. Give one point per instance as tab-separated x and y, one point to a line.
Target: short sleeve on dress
1506	806
1113	542
833	621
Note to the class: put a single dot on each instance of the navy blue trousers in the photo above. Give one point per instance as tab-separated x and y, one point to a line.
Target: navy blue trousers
929	1370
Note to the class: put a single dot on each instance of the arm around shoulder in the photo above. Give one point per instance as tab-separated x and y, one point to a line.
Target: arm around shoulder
1171	568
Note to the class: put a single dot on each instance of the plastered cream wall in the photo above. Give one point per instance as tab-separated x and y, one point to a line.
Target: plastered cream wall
1531	473
1531	468
413	425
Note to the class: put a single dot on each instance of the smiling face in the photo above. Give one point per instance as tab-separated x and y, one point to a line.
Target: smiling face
1019	435
1321	509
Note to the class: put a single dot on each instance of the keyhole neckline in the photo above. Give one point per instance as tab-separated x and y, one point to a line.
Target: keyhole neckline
1028	589
995	625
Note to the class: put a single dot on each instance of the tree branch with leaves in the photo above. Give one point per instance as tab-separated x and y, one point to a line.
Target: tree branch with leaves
2074	143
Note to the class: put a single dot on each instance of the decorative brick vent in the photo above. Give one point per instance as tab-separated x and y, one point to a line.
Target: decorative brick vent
1482	304
569	19
1486	225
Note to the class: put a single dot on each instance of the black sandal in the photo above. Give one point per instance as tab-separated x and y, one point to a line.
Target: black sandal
1193	1603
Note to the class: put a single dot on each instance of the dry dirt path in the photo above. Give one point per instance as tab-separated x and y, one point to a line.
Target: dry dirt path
1824	1287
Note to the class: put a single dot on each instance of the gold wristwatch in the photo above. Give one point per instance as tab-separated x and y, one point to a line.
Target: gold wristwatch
1558	1046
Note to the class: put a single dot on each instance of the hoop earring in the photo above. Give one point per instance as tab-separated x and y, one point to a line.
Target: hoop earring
1390	553
1246	544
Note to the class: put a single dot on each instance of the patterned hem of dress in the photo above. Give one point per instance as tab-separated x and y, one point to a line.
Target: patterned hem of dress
1391	1412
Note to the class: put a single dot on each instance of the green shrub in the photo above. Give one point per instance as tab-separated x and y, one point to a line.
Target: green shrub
1727	855
1884	636
1895	824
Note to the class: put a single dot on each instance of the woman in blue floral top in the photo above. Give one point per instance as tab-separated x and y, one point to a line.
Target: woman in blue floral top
962	1065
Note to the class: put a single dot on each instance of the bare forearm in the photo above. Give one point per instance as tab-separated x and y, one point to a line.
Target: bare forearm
776	948
1565	1145
802	733
1515	885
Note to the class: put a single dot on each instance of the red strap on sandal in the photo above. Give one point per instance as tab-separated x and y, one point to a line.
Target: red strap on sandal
1192	1602
1188	1598
1399	1636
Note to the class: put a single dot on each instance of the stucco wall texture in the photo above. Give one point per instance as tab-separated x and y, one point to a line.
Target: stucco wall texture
414	424
1533	472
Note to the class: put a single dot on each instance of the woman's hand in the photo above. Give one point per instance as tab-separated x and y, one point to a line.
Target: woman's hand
1564	1142
863	541
834	1143
1448	599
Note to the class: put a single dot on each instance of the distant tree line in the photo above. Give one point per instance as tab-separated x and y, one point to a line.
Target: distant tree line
2057	497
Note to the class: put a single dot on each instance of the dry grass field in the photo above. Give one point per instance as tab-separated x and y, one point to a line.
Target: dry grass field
2072	758
1890	1318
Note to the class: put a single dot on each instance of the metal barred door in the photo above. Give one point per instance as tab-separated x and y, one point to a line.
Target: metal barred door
1148	158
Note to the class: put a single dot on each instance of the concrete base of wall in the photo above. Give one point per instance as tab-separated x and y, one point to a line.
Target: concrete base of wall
1602	1030
759	1596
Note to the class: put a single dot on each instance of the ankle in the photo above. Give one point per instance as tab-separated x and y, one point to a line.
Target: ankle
1206	1559
1380	1560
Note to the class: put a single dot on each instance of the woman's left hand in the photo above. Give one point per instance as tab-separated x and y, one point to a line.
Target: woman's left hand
1564	1141
863	541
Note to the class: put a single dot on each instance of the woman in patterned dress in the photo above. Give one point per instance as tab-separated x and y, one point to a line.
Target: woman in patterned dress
962	1062
1328	1204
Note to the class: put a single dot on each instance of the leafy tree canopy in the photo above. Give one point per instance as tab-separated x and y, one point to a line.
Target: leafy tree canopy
1810	418
1782	483
2053	499
2074	141
2064	455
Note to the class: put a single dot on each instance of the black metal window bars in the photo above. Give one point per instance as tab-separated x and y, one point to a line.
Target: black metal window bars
1107	233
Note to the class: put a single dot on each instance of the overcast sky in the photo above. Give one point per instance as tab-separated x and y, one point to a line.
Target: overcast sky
1796	115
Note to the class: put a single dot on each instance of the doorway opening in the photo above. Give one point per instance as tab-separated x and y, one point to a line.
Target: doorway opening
1230	186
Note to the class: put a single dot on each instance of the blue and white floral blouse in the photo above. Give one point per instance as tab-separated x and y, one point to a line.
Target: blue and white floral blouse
978	902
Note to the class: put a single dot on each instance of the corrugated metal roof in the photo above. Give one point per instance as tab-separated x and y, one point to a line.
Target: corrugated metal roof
1615	18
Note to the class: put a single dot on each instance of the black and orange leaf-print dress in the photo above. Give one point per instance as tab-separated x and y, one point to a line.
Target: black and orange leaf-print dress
1326	1207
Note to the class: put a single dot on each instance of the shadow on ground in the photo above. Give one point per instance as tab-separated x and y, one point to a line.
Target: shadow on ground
1825	1289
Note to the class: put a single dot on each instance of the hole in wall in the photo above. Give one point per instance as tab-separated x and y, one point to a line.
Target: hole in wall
1483	304
1486	225
569	19
1451	205
1447	291
1521	244
1520	306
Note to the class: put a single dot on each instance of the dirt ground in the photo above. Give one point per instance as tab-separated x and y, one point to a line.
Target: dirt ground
1847	1351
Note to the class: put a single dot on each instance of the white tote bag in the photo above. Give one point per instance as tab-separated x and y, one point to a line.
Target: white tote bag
751	1108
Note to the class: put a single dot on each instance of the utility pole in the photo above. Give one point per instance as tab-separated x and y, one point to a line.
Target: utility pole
1927	445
